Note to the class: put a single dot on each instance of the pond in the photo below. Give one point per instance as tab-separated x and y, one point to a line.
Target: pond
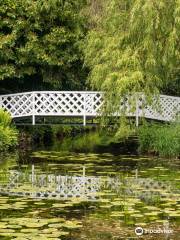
55	194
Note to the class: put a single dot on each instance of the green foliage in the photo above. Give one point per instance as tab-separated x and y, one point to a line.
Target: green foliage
134	47
93	11
123	131
8	138
161	139
8	134
59	131
41	38
5	118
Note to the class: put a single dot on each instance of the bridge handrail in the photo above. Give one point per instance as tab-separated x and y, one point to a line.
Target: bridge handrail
83	92
39	92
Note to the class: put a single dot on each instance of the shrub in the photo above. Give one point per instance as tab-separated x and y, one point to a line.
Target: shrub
162	139
5	118
8	134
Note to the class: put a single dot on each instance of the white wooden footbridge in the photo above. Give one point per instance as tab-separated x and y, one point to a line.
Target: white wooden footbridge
84	104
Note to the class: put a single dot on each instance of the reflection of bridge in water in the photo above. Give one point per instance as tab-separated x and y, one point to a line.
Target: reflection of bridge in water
50	186
58	187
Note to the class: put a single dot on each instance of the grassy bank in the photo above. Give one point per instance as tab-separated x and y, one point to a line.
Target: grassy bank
160	139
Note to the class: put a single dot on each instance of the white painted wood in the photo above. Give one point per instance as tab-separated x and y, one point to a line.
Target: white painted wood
33	109
0	102
85	104
137	111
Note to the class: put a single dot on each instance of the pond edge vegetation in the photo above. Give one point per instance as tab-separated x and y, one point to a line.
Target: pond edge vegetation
8	132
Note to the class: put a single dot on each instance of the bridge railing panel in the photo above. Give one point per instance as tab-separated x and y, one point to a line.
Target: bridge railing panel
163	108
19	105
59	103
93	103
84	104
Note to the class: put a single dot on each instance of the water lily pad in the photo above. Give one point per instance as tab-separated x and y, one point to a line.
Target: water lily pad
142	224
116	203
11	226
174	215
153	213
3	225
72	224
29	230
55	220
108	206
137	215
117	214
55	225
6	230
49	230
152	208
5	206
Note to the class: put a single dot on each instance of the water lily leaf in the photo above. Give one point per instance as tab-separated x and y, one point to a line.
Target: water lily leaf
29	230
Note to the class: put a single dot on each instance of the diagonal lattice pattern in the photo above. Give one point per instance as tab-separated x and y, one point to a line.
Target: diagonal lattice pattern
59	104
19	105
67	103
165	108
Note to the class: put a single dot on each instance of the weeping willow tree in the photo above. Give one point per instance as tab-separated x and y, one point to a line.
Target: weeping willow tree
133	46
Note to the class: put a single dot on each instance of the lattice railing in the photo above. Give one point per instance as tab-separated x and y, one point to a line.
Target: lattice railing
19	105
85	104
67	103
165	108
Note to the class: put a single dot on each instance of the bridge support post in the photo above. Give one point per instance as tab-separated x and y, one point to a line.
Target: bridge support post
33	109
33	120
84	116
84	120
137	120
137	110
0	102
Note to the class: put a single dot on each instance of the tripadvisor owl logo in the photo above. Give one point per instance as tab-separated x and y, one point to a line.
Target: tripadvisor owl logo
139	231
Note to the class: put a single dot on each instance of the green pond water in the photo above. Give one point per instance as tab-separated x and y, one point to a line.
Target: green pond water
73	196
